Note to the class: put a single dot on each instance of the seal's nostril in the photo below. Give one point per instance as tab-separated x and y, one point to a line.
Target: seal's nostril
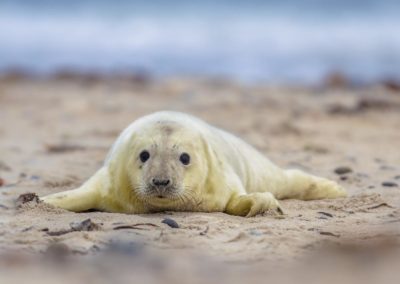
160	182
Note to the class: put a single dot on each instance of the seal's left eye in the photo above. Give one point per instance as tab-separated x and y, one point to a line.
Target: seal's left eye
185	159
144	156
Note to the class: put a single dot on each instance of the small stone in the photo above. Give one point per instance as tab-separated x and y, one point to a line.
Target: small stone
389	184
2	182
343	170
170	222
85	225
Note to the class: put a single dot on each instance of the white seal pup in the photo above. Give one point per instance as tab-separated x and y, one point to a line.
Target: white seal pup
174	161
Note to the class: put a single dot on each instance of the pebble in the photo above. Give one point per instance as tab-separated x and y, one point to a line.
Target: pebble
170	222
389	184
85	225
2	182
343	170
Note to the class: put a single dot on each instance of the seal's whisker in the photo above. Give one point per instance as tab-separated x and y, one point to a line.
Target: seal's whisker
189	199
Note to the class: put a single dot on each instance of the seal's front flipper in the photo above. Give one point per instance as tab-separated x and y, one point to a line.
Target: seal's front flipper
252	204
83	198
76	200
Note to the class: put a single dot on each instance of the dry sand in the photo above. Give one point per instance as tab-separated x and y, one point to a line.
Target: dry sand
54	134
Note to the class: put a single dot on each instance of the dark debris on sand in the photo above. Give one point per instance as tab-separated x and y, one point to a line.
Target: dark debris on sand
363	105
343	170
85	225
27	197
63	148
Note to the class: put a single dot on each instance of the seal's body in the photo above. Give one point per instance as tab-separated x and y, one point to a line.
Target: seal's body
174	161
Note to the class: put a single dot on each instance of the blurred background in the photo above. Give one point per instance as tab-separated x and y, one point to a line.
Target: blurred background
284	41
312	84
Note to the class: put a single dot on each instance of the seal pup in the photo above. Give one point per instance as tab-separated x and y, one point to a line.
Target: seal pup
177	162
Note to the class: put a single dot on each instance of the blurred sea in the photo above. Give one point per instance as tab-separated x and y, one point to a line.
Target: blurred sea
275	41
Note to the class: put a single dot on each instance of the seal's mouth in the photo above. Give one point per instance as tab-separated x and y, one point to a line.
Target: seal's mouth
173	198
160	194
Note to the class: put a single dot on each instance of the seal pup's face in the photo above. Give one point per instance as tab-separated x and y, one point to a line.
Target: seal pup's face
167	165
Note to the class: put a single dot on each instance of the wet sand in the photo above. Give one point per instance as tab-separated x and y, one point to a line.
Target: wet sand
55	133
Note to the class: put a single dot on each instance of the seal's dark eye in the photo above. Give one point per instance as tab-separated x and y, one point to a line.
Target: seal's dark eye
144	156
185	159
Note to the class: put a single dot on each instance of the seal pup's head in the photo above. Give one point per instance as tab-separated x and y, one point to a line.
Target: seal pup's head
166	164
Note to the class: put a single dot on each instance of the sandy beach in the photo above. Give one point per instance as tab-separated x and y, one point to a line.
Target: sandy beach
55	133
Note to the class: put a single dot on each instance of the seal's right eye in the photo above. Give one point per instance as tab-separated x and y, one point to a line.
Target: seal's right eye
144	156
185	159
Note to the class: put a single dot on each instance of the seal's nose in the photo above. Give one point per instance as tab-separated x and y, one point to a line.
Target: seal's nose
160	182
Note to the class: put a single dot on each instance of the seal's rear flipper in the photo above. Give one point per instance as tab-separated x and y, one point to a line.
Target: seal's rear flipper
303	186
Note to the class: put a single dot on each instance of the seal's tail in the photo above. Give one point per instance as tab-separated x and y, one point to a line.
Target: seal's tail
303	186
